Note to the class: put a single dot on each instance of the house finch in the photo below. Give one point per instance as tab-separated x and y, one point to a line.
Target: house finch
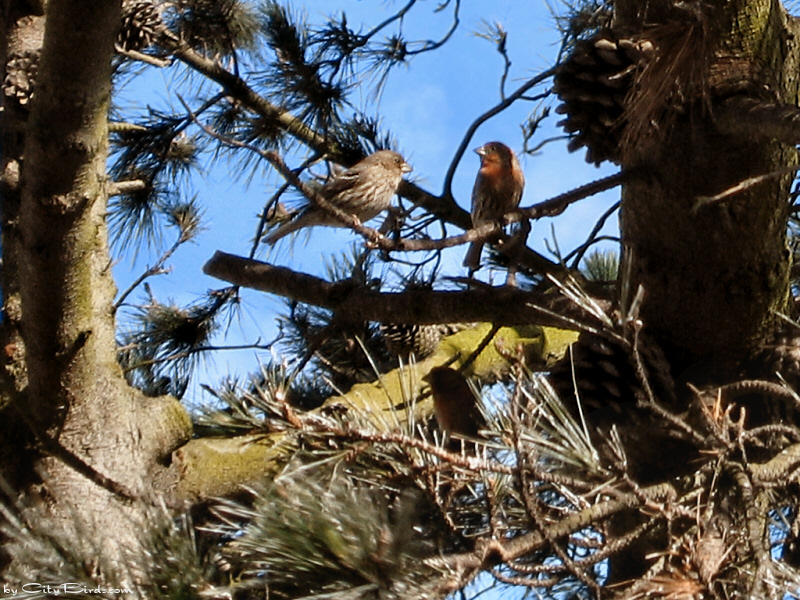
497	190
454	404
363	191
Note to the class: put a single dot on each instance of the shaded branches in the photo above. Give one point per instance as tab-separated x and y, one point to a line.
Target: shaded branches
550	516
500	305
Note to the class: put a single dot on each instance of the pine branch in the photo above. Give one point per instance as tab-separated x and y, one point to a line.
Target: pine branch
499	305
491	553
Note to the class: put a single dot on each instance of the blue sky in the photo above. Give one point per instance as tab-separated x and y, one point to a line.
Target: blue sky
427	105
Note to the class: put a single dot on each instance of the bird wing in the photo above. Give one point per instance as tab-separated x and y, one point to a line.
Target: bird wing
340	183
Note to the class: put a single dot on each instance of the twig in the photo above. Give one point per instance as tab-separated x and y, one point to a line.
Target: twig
118	188
484	342
592	238
156	269
142	57
190	352
758	386
75	462
557	205
496	109
703	201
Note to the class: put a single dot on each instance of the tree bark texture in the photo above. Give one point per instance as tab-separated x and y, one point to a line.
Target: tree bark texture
96	432
716	274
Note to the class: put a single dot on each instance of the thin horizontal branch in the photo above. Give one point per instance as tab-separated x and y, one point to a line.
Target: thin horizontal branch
501	305
557	205
155	61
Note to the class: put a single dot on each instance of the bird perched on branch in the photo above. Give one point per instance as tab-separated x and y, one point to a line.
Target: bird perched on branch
454	405
497	190
364	191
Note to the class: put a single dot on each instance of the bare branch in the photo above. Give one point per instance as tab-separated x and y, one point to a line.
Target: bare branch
142	57
120	188
501	305
494	552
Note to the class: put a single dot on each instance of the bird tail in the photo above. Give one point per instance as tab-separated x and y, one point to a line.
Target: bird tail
472	260
304	219
281	232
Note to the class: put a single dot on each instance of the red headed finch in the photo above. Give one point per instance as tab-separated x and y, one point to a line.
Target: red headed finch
364	190
498	190
454	404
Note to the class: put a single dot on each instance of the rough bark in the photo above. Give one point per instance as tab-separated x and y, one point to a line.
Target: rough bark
728	258
99	443
716	272
502	305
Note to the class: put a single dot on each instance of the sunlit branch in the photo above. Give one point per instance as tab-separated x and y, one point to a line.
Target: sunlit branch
497	304
120	188
154	61
156	269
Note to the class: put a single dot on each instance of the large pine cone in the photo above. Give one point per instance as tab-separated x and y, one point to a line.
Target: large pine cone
593	84
607	375
140	23
20	76
615	390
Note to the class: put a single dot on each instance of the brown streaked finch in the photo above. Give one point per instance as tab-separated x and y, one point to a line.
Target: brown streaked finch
364	191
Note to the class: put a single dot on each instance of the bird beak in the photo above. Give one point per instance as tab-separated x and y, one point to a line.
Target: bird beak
406	168
481	151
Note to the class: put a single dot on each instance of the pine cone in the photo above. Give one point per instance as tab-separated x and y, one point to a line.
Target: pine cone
613	399
20	76
605	373
422	340
140	23
593	84
780	355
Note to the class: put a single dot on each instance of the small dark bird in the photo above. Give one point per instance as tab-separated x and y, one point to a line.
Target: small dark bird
454	404
497	190
364	190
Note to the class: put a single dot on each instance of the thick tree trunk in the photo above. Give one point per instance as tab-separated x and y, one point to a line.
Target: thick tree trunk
23	33
715	271
101	444
715	274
